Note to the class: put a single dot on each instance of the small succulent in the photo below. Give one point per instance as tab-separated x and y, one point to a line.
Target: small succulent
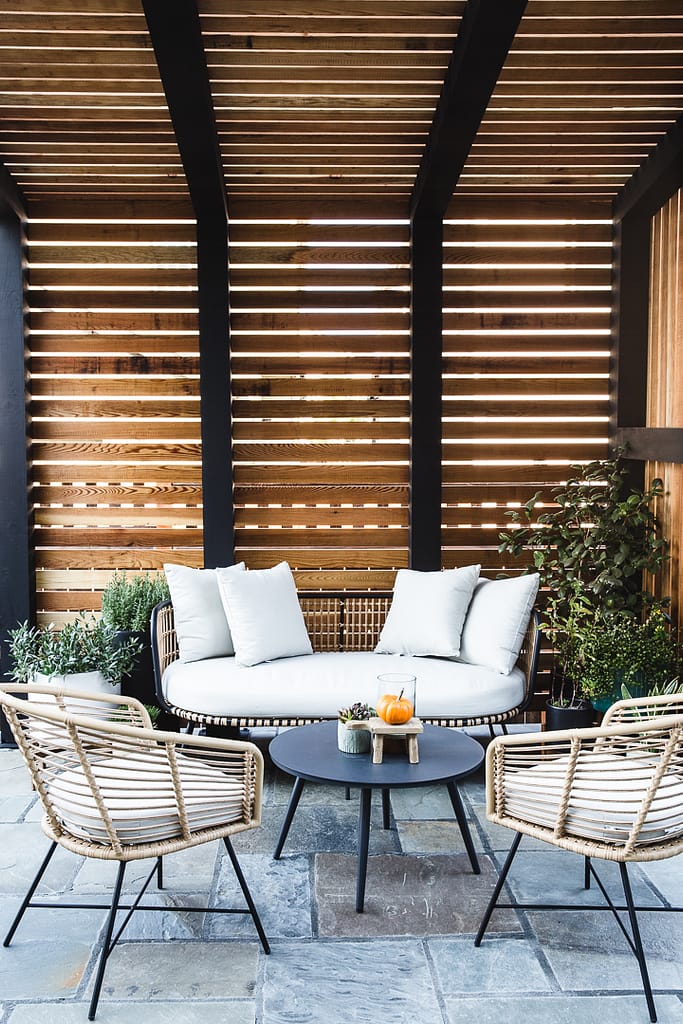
356	713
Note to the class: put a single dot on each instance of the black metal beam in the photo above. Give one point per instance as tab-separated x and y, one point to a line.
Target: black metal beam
175	31
655	444
486	33
17	577
656	180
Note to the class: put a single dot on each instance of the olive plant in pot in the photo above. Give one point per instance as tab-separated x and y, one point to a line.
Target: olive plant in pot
594	543
127	604
84	654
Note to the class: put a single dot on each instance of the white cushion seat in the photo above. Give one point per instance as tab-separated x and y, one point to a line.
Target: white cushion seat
143	807
317	685
607	793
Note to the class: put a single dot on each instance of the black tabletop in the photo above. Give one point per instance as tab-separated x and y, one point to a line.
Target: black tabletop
311	752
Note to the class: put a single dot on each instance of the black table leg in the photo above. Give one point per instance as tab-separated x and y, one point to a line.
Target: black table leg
363	841
464	827
386	809
297	789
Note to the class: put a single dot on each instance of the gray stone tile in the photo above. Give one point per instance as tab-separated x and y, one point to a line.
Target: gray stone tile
181	970
49	952
15	779
667	877
181	1012
434	837
280	789
349	983
190	870
500	838
498	965
561	1010
556	876
15	808
280	889
22	850
407	895
587	951
318	828
422	804
176	923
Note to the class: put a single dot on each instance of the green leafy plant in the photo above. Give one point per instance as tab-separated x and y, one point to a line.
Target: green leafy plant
127	603
356	713
660	690
85	645
594	541
623	650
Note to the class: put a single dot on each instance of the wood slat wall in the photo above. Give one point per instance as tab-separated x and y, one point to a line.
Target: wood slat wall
115	395
320	363
665	374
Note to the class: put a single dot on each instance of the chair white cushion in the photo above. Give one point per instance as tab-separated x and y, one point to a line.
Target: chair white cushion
265	616
200	622
496	621
427	612
142	806
606	796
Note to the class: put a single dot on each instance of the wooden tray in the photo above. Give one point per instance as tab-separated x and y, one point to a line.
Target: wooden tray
406	734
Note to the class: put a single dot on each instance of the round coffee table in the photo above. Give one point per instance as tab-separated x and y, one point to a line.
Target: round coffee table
310	753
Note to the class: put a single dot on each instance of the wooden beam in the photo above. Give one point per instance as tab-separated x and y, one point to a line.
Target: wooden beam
656	180
652	444
17	577
176	36
486	33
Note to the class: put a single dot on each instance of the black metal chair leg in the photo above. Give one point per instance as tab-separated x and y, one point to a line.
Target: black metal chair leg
493	735
586	872
504	727
106	945
496	892
247	894
386	809
637	942
160	873
297	790
27	898
347	793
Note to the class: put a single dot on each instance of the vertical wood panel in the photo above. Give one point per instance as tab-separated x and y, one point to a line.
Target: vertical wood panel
665	373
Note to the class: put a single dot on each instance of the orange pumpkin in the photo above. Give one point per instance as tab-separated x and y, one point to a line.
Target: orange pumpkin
394	710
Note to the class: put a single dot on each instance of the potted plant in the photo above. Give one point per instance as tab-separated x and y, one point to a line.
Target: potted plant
354	741
621	650
593	549
85	654
127	605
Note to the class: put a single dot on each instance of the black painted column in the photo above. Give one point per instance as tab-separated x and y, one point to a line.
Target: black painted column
214	385
426	358
17	579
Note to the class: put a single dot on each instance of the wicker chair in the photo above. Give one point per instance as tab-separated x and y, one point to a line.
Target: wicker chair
613	793
113	788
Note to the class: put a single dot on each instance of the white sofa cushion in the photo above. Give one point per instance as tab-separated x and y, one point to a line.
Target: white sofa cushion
496	621
200	623
317	685
427	612
262	607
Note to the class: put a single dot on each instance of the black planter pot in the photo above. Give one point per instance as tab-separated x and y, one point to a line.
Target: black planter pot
577	716
140	682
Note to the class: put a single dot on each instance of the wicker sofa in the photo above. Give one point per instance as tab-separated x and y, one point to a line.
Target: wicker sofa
344	628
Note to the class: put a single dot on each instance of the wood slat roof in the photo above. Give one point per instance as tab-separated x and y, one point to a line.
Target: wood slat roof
331	100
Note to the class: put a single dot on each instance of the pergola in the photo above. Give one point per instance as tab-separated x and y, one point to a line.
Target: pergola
335	283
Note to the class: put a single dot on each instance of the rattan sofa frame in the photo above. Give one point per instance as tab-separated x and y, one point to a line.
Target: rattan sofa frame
336	621
113	788
639	741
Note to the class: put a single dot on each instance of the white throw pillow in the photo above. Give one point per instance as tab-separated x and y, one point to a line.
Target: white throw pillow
427	612
265	616
496	622
200	623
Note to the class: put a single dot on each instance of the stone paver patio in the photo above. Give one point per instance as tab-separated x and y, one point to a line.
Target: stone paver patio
409	959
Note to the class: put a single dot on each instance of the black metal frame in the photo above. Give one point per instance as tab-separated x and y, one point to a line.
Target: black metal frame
110	939
633	939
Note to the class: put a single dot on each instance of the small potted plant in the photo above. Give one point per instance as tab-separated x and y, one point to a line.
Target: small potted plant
127	605
354	741
85	654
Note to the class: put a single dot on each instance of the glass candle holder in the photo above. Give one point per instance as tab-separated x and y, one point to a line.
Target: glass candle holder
399	684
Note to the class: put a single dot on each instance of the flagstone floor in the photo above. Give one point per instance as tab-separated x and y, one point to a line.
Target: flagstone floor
409	959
